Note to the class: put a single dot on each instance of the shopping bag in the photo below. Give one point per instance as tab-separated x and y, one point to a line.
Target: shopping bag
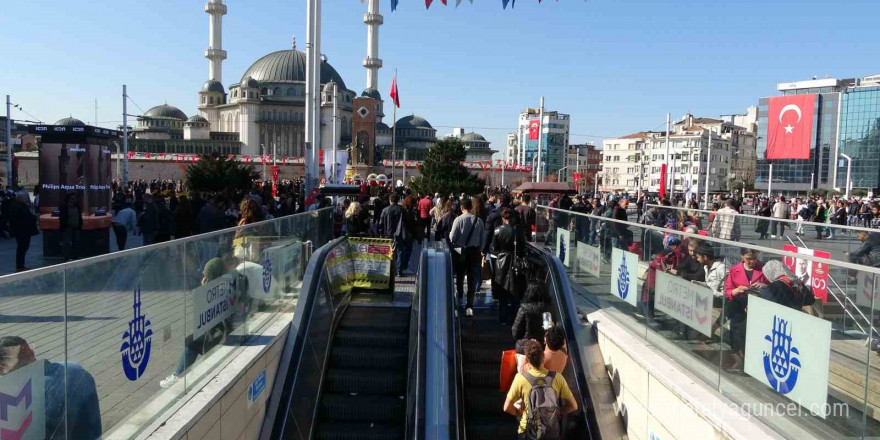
508	370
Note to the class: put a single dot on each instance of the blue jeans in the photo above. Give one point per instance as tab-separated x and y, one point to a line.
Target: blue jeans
402	252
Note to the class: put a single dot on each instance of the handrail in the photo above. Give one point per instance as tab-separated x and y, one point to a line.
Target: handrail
13	277
416	371
762	249
282	388
569	318
759	217
443	401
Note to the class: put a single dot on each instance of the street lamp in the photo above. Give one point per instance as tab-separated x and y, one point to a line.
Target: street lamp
559	174
848	173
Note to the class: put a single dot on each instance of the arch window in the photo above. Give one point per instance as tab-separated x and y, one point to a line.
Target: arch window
212	100
250	95
291	91
203	99
276	91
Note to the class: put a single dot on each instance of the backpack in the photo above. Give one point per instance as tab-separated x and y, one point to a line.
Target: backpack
544	421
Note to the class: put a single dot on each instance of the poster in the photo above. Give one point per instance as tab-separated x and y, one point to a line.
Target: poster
81	169
811	273
281	271
789	351
589	259
687	302
372	259
866	290
215	301
624	276
22	399
563	241
339	269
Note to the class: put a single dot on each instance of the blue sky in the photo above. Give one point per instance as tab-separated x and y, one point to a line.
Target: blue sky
617	66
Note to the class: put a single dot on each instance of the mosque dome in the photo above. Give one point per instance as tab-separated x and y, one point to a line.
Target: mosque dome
165	111
472	137
212	85
69	121
197	119
288	66
413	121
372	93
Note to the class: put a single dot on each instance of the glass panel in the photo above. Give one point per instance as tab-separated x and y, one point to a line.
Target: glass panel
782	332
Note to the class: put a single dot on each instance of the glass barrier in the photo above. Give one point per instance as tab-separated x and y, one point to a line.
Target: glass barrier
101	346
765	326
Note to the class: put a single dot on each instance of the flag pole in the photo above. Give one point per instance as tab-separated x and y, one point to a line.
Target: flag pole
393	132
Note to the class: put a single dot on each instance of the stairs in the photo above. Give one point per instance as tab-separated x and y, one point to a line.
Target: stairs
483	340
364	393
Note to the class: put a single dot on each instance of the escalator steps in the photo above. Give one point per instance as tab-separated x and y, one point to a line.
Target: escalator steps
473	353
360	431
364	338
373	357
365	381
482	375
365	408
484	401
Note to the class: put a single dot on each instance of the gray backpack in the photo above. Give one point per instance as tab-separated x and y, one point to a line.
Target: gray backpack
545	418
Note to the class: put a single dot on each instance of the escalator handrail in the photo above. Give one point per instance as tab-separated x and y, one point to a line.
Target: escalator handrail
299	326
415	418
448	346
569	319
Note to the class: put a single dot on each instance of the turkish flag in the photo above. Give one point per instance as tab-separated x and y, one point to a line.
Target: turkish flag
790	126
534	129
395	94
663	181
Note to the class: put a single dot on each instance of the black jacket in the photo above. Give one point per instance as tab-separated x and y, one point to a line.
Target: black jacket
619	229
691	270
493	222
21	222
868	253
789	294
444	226
508	242
529	321
392	222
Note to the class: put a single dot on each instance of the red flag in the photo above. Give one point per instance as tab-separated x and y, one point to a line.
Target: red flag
534	129
790	126
395	95
662	181
147	155
131	154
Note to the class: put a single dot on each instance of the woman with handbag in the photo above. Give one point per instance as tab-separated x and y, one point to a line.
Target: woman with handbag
508	244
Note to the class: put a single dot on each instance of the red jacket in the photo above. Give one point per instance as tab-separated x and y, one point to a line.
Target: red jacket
737	278
425	206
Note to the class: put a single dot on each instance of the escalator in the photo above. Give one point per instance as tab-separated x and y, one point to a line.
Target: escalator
364	390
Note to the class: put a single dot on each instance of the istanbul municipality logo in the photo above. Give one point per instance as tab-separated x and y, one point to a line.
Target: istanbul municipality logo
267	274
622	279
136	341
782	364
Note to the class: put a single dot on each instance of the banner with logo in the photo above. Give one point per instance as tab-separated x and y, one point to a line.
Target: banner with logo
790	126
281	271
22	400
811	273
373	259
215	301
589	259
534	129
624	276
866	290
563	241
689	303
789	351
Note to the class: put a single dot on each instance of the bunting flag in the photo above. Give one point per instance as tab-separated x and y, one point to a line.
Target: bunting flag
428	3
147	155
395	94
393	5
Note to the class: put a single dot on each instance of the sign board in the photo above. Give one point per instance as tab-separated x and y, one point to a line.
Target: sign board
280	271
866	290
563	241
689	303
624	276
789	351
256	388
373	259
214	302
589	259
339	269
22	403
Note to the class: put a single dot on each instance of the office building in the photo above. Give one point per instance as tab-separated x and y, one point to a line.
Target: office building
859	135
554	134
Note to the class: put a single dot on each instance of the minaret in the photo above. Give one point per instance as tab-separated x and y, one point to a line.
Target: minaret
216	9
372	62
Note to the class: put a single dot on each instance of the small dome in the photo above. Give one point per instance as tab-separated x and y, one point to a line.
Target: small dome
165	111
413	122
372	93
213	86
69	121
197	119
473	137
250	82
328	88
383	127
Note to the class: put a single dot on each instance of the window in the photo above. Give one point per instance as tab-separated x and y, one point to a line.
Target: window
276	91
291	91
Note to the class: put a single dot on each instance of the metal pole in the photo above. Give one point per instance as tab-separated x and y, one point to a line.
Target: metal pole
333	164
404	166
9	180
770	182
848	174
503	166
263	159
274	153
540	169
393	136
668	120
124	137
708	170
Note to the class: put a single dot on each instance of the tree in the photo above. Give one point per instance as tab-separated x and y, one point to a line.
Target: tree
442	171
218	174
